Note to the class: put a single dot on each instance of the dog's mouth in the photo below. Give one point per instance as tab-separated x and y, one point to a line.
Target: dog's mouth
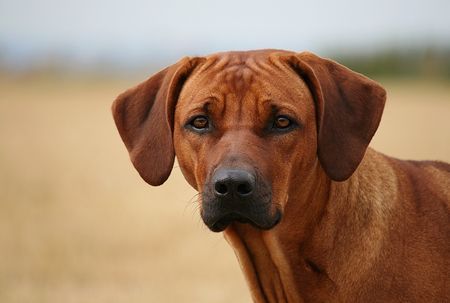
238	195
220	223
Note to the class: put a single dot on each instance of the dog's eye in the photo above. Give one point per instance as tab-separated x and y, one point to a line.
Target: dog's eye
282	122
199	123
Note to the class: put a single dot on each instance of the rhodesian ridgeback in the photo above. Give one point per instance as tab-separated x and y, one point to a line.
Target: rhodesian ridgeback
276	142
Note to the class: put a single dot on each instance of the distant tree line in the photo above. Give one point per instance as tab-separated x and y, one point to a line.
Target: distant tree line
418	63
433	63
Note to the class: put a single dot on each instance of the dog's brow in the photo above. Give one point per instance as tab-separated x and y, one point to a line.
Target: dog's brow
277	107
202	106
206	106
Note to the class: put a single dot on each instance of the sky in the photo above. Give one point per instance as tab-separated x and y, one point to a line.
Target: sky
129	31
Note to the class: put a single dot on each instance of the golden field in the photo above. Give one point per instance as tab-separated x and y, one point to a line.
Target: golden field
77	224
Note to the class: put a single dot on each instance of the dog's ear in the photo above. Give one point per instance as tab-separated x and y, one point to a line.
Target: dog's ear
348	110
144	117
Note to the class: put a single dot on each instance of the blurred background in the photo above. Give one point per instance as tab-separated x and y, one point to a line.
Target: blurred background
77	224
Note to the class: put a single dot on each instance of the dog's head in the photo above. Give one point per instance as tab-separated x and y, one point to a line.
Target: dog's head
247	127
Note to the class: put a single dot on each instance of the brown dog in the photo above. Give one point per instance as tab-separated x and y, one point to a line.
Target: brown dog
279	140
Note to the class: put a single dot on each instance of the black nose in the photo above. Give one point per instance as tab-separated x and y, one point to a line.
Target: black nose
236	183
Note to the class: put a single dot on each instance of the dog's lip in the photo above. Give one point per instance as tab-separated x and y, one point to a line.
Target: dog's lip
223	222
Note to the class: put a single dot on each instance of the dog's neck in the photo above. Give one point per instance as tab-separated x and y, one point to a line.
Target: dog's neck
325	223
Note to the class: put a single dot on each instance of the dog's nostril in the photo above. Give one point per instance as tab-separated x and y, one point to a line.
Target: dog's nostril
221	188
244	189
233	184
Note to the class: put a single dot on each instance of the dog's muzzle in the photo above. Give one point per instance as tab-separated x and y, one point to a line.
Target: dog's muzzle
237	195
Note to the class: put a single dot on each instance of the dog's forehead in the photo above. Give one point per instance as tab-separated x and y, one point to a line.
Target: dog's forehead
260	73
241	65
236	57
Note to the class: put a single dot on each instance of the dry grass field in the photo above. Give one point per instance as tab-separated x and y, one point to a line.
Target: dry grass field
77	224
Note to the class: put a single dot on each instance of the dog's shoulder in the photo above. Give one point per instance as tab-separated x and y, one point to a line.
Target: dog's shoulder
428	182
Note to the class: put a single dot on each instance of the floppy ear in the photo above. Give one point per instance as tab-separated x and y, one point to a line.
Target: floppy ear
348	110
144	117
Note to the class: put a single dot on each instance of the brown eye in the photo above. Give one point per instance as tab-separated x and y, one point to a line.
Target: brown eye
200	123
282	122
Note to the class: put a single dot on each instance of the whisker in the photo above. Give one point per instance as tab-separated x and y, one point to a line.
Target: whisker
192	202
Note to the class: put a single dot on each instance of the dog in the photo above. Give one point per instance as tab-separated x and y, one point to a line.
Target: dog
276	142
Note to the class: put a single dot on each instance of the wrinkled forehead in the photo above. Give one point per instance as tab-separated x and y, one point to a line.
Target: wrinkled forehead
260	75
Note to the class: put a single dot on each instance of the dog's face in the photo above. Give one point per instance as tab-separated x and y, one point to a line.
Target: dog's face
243	128
246	127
